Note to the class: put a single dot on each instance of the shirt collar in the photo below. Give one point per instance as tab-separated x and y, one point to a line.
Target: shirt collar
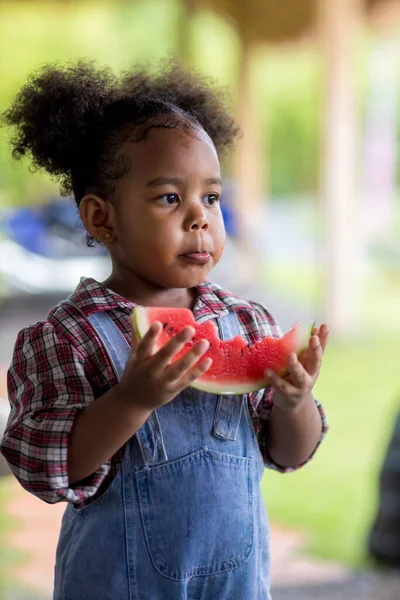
91	296
212	301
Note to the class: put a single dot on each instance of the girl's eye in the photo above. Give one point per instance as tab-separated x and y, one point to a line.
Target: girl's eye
211	199
168	199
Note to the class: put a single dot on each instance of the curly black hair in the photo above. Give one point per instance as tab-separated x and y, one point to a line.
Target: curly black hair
73	119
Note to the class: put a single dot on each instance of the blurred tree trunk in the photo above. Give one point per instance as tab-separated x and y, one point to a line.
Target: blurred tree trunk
186	11
249	165
339	22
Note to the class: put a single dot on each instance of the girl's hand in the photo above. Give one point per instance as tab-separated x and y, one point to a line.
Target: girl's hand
291	391
150	379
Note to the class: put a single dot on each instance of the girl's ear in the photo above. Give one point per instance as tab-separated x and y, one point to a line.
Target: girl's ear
97	218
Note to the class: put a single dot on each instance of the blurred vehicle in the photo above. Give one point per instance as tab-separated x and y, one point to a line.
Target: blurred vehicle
43	250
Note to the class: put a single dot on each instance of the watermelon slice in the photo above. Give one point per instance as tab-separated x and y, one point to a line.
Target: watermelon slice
237	367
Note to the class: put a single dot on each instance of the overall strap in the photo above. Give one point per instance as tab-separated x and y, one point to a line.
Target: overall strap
149	435
228	326
113	340
229	409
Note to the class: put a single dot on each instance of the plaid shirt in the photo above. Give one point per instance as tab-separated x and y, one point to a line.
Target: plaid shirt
60	366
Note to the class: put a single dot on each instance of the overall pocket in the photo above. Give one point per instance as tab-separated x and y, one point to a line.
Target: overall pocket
197	513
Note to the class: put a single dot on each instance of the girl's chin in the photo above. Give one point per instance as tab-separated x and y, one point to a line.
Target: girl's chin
189	279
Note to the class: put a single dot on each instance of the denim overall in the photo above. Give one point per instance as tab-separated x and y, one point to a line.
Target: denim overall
184	518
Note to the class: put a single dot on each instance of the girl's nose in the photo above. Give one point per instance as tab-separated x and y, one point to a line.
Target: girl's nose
197	219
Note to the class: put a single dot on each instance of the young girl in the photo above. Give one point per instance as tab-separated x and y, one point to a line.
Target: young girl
162	481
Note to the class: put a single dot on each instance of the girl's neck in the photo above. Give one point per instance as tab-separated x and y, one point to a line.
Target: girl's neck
139	291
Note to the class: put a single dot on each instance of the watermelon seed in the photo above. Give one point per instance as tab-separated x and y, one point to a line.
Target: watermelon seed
165	325
241	352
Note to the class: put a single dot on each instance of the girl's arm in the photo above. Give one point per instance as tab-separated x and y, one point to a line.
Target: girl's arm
100	430
295	426
293	433
47	389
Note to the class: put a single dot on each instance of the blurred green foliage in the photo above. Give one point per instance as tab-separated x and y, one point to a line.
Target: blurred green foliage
120	34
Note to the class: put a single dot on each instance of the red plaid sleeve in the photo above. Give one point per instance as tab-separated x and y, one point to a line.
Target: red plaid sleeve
47	387
262	402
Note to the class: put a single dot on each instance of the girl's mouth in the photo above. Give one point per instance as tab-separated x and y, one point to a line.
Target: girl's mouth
199	258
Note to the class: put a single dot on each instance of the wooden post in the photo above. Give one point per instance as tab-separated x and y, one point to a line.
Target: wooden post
186	12
339	22
248	167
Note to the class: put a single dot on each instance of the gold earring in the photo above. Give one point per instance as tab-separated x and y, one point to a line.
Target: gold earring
107	236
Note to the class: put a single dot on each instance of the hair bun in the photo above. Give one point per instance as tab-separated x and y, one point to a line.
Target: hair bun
58	111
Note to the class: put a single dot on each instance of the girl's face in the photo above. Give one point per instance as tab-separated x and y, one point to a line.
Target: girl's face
167	224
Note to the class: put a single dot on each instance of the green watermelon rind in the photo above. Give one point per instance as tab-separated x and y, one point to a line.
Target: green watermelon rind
141	326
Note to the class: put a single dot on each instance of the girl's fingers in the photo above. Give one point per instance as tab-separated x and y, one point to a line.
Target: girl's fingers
314	356
184	364
298	374
280	384
147	346
323	336
323	333
166	354
195	373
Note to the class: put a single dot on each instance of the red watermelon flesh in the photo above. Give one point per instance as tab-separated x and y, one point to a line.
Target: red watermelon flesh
237	367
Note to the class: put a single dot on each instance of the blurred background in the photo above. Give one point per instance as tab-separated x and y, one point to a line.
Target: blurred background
312	209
